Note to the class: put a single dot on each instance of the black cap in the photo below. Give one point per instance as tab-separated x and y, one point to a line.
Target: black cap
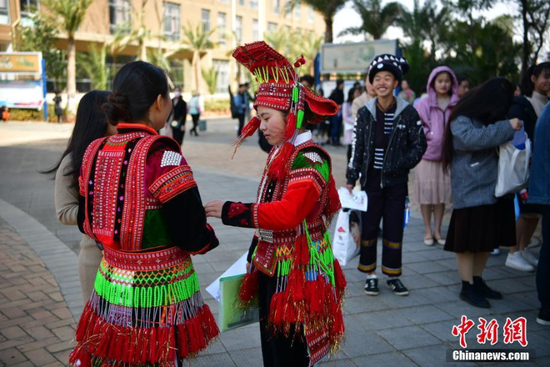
396	65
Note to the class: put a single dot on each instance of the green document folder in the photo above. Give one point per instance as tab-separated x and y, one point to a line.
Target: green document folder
231	317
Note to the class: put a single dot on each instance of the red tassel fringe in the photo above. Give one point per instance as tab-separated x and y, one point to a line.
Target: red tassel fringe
248	130
98	340
278	166
249	288
340	280
290	126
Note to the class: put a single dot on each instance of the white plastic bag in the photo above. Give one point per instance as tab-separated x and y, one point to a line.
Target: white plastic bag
513	168
347	236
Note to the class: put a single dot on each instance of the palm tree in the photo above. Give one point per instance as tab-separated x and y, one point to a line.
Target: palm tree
125	34
94	64
280	40
210	76
376	18
309	45
328	8
70	13
198	41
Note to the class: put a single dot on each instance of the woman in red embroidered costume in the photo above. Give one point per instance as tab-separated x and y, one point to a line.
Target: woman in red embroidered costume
292	272
140	203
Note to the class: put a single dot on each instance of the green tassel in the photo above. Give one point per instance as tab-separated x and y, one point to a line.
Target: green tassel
300	119
295	94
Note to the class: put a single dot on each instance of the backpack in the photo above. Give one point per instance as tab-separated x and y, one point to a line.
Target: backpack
513	168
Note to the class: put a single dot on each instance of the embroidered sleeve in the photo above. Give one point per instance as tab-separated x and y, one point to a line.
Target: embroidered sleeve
239	214
171	184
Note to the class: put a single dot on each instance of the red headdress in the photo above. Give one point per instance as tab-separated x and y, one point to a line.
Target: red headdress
279	88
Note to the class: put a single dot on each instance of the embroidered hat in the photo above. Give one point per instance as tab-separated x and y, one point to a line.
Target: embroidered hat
278	82
396	65
279	88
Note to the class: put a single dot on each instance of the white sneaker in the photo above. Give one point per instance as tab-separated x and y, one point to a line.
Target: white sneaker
534	242
516	261
495	252
530	257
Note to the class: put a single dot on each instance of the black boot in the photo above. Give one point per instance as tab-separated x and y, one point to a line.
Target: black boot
472	296
483	289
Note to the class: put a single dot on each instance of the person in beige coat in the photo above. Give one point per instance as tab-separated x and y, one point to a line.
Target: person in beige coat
90	125
367	96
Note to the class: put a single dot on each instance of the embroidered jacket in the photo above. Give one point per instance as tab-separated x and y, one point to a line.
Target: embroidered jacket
138	193
292	243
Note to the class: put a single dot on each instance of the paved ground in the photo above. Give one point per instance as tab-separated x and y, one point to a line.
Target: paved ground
39	289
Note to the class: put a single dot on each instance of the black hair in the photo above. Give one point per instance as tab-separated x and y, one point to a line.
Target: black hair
135	88
91	124
488	103
308	79
351	92
526	84
339	82
461	79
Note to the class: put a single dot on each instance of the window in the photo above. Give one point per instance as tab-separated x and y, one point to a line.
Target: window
311	14
241	2
255	31
254	4
4	12
239	28
222	23
223	75
27	6
172	21
120	15
297	6
223	1
287	10
276	6
205	14
271	27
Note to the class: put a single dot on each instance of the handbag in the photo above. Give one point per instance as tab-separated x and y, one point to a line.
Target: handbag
346	243
513	168
202	125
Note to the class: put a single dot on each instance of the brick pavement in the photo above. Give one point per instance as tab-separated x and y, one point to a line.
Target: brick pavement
36	326
383	330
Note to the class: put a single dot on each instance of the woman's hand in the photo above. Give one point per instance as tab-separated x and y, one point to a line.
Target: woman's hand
350	188
516	124
214	208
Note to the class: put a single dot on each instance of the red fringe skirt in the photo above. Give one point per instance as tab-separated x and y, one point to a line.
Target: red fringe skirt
146	309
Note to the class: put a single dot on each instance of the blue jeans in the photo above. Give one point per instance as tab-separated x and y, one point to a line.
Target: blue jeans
335	128
543	269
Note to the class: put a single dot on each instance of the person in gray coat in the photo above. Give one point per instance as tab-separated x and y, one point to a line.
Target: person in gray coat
480	222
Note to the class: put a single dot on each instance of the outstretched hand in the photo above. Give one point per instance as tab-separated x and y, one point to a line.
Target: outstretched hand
214	208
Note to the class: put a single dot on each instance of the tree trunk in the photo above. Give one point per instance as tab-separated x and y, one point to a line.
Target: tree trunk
526	45
196	57
142	51
328	29
71	75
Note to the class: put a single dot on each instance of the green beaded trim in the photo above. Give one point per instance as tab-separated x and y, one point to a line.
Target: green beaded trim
146	296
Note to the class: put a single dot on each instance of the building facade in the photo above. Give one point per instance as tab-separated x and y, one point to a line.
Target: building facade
233	21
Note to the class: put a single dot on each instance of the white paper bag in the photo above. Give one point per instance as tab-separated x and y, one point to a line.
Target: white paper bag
347	236
357	200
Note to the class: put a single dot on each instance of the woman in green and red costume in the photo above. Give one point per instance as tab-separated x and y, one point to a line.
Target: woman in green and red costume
140	203
298	283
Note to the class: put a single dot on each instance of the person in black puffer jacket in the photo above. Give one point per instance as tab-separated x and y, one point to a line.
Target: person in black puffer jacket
388	141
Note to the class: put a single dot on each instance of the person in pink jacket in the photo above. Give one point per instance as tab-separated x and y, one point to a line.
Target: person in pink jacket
432	186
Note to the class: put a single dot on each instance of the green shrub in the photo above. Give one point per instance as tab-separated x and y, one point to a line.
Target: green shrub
32	115
218	105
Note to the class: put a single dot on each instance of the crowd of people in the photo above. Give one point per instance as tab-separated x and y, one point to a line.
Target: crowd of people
451	139
133	196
